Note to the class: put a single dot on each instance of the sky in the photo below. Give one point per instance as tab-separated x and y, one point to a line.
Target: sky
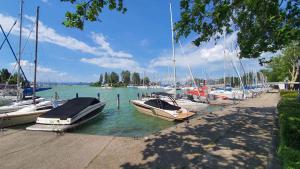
139	40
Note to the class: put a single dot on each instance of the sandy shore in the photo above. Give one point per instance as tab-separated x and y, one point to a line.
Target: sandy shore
240	136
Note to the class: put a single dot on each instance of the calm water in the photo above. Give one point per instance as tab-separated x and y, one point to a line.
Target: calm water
124	122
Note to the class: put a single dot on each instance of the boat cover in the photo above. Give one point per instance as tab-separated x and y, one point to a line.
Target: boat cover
70	108
158	103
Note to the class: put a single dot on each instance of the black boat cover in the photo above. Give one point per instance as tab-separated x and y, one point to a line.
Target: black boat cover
158	103
70	108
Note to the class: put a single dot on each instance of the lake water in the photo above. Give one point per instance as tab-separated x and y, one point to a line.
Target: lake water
123	122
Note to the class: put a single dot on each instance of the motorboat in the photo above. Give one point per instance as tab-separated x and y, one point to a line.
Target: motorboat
162	109
188	103
27	114
69	115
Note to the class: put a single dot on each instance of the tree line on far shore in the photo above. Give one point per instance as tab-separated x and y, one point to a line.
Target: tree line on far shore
8	77
127	78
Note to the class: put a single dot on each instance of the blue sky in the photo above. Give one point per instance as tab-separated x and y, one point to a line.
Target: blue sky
139	40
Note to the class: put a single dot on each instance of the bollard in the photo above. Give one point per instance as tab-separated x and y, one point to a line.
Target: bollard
98	96
76	95
118	101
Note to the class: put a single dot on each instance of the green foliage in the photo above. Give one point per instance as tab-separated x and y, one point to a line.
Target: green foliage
114	78
285	65
289	119
4	75
290	157
89	10
145	81
288	94
262	25
100	80
106	78
125	75
136	78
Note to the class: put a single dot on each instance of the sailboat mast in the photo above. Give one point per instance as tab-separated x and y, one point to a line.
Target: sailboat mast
36	50
173	49
20	46
224	78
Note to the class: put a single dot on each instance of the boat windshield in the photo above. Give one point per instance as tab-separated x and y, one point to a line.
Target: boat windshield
158	103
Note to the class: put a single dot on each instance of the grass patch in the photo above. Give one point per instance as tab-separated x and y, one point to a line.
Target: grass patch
289	119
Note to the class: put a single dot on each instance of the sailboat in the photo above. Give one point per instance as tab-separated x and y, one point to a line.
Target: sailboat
188	104
28	113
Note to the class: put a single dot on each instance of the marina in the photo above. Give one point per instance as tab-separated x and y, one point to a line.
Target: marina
178	84
222	139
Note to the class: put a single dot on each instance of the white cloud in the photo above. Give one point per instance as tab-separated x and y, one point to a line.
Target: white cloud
194	56
45	1
114	63
43	73
105	46
48	34
104	55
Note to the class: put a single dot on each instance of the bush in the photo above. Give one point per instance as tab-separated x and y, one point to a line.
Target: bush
288	93
289	119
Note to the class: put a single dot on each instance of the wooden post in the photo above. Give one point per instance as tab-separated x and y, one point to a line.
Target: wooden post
76	95
118	101
98	96
138	96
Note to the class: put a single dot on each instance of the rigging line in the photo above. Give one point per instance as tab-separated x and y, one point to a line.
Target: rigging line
189	68
28	38
13	52
8	34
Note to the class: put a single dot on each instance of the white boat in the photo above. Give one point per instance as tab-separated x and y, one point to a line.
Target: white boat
190	105
69	115
142	87
162	109
25	115
18	105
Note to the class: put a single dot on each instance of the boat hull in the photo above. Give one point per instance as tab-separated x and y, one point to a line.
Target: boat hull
192	106
7	120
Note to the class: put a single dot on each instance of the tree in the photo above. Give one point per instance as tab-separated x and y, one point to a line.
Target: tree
89	10
136	78
262	25
285	65
100	80
4	75
114	78
106	78
125	77
145	81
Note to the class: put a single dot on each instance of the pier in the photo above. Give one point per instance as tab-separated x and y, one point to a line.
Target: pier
239	136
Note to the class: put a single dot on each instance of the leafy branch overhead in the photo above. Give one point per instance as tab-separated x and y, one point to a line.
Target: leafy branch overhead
262	25
89	10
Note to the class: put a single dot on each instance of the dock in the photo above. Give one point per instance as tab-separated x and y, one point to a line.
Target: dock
239	136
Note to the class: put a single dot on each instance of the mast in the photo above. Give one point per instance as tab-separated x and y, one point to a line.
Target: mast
20	46
224	78
36	50
173	49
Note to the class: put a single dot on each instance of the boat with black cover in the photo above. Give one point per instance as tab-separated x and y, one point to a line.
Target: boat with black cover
69	115
162	109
